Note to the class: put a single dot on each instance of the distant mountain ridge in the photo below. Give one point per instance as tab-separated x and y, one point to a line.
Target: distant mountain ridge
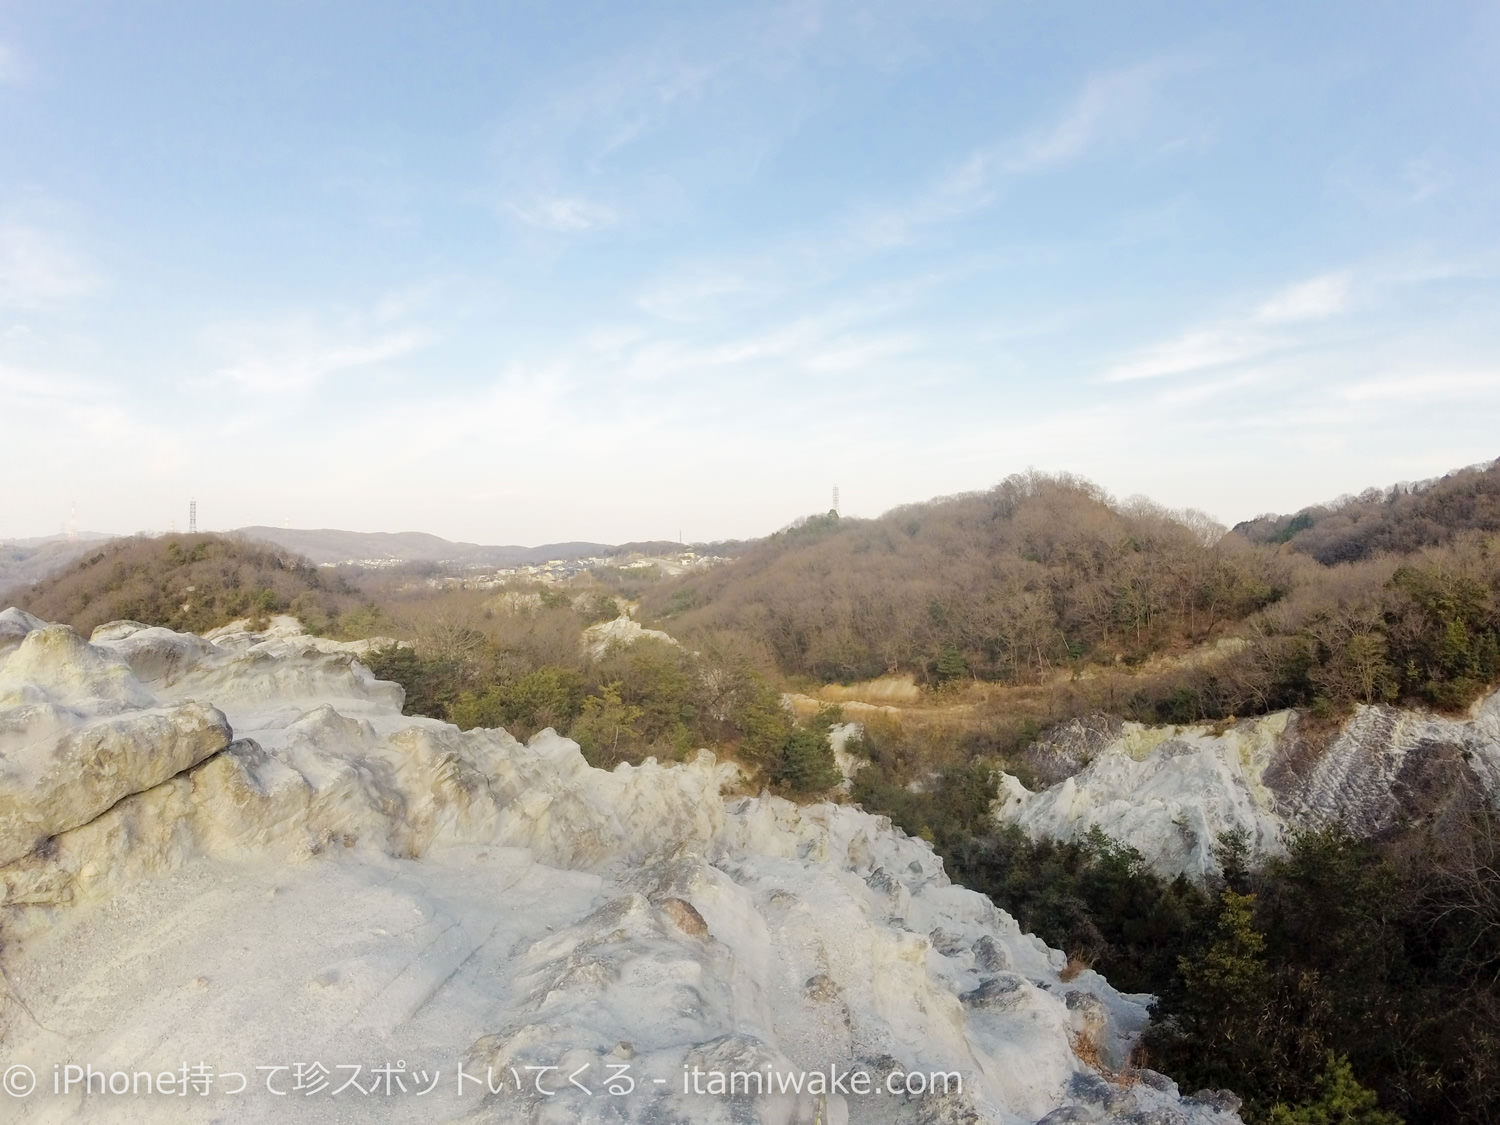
23	561
330	545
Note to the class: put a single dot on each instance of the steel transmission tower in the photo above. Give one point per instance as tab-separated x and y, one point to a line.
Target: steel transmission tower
192	517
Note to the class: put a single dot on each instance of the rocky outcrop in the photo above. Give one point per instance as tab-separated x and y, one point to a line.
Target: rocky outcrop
1380	767
1069	746
79	732
620	631
1171	792
344	887
15	624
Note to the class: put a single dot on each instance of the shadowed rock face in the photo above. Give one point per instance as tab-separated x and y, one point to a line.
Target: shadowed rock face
80	768
80	733
1171	791
334	881
1070	746
15	624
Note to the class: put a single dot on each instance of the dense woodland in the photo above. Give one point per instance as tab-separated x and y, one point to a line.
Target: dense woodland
1352	981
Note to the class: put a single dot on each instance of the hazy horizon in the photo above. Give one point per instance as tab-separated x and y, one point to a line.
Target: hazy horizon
610	273
175	527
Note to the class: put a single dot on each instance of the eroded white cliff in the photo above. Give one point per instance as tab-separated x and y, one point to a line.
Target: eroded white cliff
1170	792
334	883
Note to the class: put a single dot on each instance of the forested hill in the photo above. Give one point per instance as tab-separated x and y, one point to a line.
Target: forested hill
1038	573
1042	575
186	582
1395	520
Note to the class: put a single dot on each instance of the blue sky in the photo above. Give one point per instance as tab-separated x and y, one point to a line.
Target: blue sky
543	271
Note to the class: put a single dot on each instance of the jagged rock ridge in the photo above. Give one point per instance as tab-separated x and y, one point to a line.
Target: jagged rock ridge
341	884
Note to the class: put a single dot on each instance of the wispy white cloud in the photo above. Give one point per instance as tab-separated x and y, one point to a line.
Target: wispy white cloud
568	214
1427	386
714	93
19	384
844	336
100	425
1110	106
1195	394
13	68
1192	351
39	270
1426	177
1426	270
698	294
297	354
1268	328
856	355
962	190
462	425
1317	298
650	104
557	145
560	141
301	369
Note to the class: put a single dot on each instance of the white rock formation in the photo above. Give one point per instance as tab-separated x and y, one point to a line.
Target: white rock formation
1167	792
849	764
1170	792
286	627
344	887
623	630
78	732
15	624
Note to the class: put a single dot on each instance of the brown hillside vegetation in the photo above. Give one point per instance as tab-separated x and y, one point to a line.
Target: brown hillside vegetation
1037	574
977	622
1395	520
1048	581
186	582
24	562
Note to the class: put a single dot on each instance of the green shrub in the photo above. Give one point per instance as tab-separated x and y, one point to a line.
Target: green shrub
805	763
606	728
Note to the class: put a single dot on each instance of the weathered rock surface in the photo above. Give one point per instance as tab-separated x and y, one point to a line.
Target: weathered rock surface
1171	791
78	732
1070	746
343	887
14	625
622	631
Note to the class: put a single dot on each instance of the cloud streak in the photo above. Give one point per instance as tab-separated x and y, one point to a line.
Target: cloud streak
1262	331
565	214
303	369
298	355
1317	298
1427	386
38	270
18	385
1192	351
13	68
1110	106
